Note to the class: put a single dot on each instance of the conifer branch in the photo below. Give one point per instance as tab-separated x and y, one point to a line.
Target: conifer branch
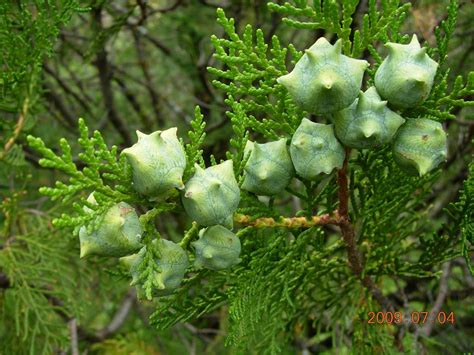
348	234
18	127
285	222
340	217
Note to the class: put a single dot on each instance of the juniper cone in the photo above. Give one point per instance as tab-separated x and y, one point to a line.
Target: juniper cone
212	195
420	146
324	80
171	266
119	232
269	169
217	248
367	123
406	76
314	149
158	161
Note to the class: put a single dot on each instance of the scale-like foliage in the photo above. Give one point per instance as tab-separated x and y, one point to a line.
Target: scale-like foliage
249	80
27	36
463	213
101	168
292	278
381	22
40	272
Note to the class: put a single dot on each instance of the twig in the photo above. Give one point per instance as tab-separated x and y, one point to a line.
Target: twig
134	103
73	331
464	122
67	89
406	309
285	222
189	235
166	9
105	76
157	44
339	218
119	317
152	93
143	11
442	293
58	103
348	234
19	126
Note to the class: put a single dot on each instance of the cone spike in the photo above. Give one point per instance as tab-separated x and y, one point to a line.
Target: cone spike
85	249
216	183
285	80
423	166
198	169
414	41
327	82
263	175
392	49
338	47
421	54
311	55
318	143
140	135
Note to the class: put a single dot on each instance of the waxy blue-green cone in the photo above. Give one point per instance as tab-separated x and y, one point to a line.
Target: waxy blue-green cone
119	232
315	149
158	161
367	123
212	195
172	265
406	76
217	248
324	80
269	169
420	146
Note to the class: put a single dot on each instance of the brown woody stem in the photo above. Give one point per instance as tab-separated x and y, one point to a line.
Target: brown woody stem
340	217
348	234
18	127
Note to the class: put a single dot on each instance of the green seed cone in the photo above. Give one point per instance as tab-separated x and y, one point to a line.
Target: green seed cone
269	169
314	150
406	76
367	123
217	248
118	234
212	195
324	80
420	146
158	161
172	266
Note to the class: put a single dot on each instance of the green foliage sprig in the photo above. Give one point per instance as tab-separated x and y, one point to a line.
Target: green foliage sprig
103	174
254	67
463	213
381	22
28	34
193	148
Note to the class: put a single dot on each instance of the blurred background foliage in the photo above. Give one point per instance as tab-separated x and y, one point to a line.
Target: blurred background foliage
128	65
